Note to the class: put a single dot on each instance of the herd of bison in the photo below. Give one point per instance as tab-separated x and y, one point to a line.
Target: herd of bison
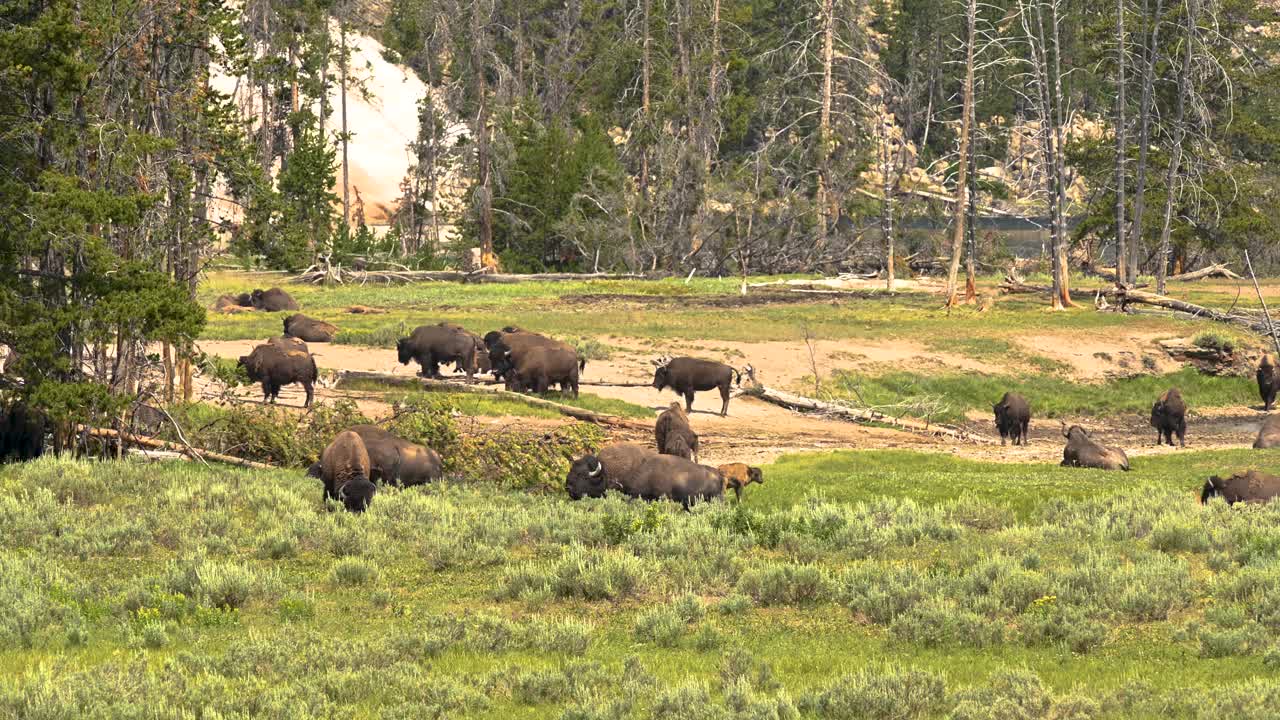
364	456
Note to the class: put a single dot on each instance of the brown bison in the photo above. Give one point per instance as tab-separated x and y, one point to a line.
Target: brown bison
1251	486
309	329
539	368
1269	433
686	375
739	475
280	362
344	469
1013	418
434	345
272	300
1084	451
1169	417
674	478
232	304
1268	380
609	469
673	434
22	433
394	460
507	347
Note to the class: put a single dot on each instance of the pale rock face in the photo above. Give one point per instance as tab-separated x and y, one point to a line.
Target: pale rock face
382	115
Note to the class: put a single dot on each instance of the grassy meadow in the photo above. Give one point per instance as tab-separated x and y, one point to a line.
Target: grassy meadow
854	584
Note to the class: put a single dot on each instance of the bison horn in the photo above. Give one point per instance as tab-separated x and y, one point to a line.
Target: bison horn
596	471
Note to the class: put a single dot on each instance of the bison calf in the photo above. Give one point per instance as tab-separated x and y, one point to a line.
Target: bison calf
1268	380
344	469
686	375
280	362
1249	487
739	475
1084	451
1169	418
673	434
309	329
1013	418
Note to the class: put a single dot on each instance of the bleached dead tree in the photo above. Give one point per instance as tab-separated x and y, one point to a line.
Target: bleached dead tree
961	208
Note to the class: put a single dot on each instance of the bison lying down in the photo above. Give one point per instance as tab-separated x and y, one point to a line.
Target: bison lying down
344	469
639	472
1269	433
309	329
1249	487
280	362
1084	451
686	375
272	300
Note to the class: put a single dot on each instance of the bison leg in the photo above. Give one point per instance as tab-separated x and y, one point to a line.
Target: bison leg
688	401
1182	435
266	391
724	397
1025	432
311	393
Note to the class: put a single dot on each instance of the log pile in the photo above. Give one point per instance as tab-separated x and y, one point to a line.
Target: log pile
1253	322
164	445
800	403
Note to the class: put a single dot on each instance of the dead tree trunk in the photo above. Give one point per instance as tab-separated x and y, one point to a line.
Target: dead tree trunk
1175	150
1152	53
962	181
824	120
1122	149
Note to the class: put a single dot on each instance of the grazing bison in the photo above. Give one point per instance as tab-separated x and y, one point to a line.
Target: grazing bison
539	368
686	375
1251	486
674	478
397	461
611	468
273	300
1268	380
344	469
1169	417
739	475
1084	451
673	434
22	433
280	362
433	345
1269	433
309	329
1013	418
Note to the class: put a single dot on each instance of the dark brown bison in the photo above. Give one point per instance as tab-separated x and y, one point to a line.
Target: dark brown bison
397	461
1250	486
674	478
433	345
539	368
482	353
1084	451
1013	418
1169	417
673	434
273	300
507	347
344	469
609	469
739	475
22	433
309	329
1268	380
1269	433
280	362
686	375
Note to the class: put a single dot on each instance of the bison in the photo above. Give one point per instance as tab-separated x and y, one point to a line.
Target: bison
538	368
1268	380
433	345
22	433
309	329
739	475
272	300
674	478
344	469
686	375
1013	418
673	434
1250	486
233	304
1269	433
1169	417
280	362
610	468
1084	451
397	461
507	347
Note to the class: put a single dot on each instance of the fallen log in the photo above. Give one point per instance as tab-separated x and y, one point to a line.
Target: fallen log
1017	287
791	401
1218	270
449	386
408	276
195	453
1125	296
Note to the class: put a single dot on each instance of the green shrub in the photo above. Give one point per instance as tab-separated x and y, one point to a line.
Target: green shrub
659	625
891	692
784	584
265	433
937	621
296	608
352	571
154	635
1011	695
1214	341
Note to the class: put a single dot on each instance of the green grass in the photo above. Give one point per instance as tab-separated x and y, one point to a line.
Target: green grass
950	396
857	584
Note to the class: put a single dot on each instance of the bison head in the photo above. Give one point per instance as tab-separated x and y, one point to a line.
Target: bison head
250	365
1212	489
755	475
661	378
255	299
586	478
491	338
403	351
1075	433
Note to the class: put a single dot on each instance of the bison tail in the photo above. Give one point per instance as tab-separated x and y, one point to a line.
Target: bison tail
582	364
737	377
